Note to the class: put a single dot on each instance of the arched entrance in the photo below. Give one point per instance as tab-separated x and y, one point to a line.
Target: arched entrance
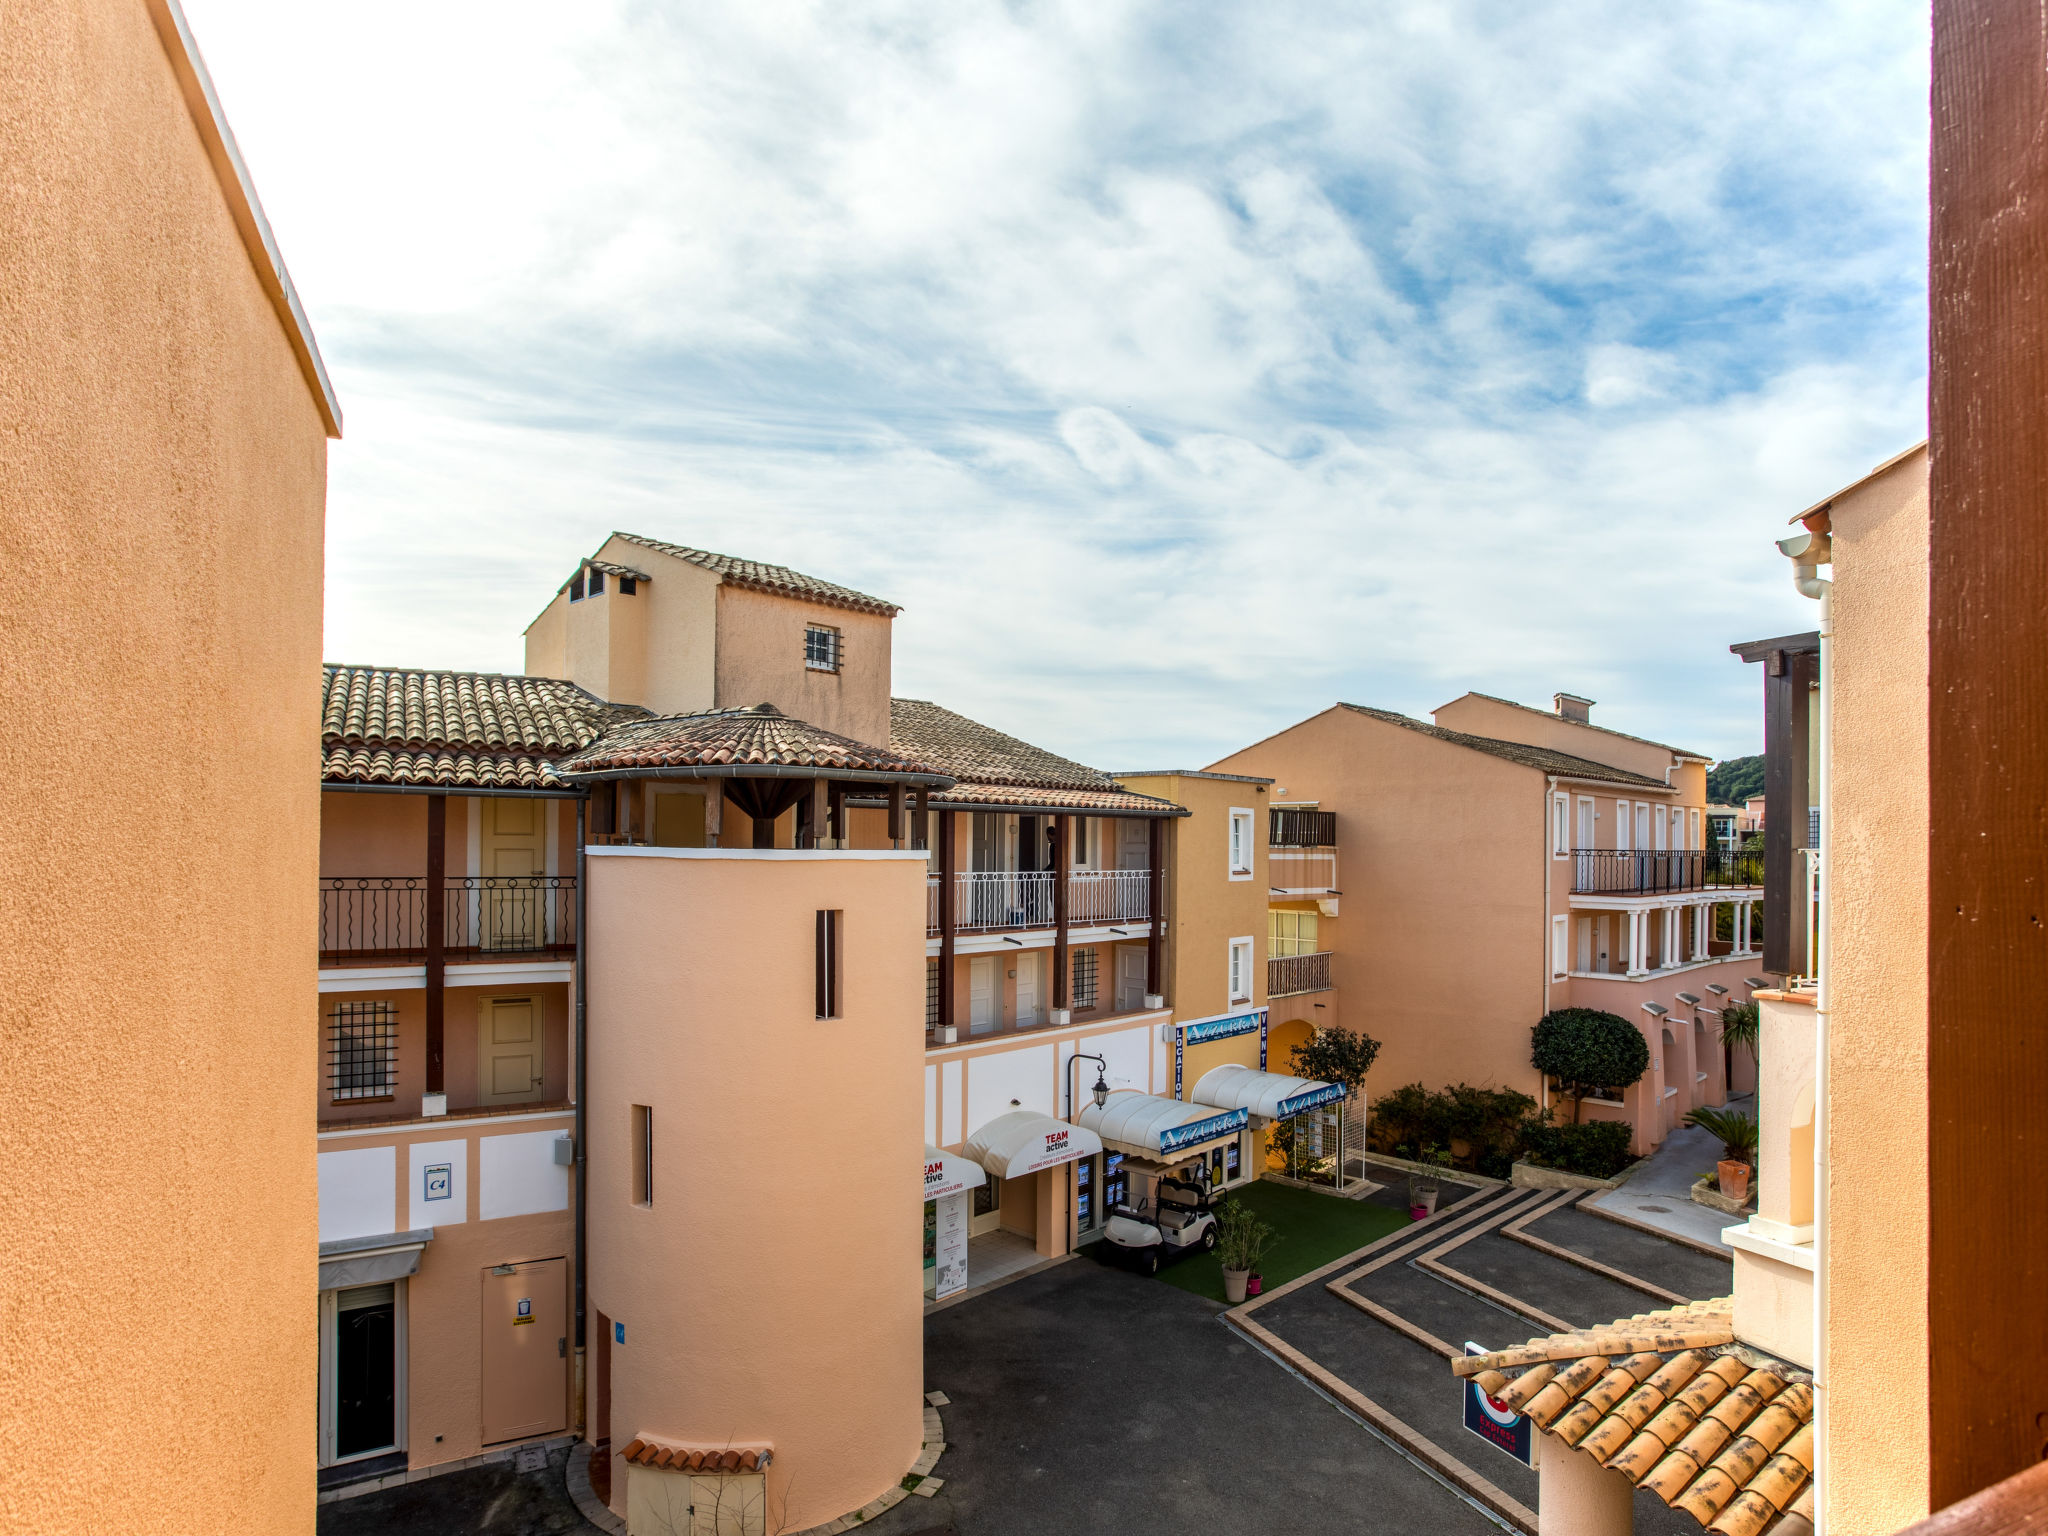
1281	1039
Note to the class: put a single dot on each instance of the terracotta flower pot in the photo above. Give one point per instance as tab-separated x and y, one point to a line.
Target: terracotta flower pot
1733	1174
1234	1281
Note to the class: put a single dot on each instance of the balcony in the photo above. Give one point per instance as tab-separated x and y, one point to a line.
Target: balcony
1301	829
1288	975
1646	872
988	901
384	917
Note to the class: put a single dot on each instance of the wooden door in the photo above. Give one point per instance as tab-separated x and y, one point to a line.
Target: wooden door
1133	844
512	856
510	1054
1130	976
526	1351
1030	967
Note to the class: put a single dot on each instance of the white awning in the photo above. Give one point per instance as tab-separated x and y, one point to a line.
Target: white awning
1024	1141
1269	1095
1161	1130
945	1174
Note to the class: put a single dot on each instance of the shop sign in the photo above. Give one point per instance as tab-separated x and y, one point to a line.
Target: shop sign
1173	1138
1315	1098
936	1183
949	1246
1222	1029
1059	1148
1498	1426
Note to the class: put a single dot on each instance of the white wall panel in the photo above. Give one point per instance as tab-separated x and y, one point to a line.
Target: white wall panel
949	1105
995	1079
358	1193
437	1213
517	1175
931	1105
1129	1053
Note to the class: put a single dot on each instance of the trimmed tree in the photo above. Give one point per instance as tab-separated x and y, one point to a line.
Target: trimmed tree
1588	1050
1336	1056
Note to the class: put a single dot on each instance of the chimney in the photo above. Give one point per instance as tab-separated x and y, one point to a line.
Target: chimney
1571	707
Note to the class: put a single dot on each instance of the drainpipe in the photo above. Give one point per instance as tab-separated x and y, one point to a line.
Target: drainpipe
582	1115
1549	862
1808	552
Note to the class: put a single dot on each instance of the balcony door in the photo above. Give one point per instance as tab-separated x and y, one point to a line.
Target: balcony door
1130	977
1031	989
981	995
511	1063
511	855
1133	846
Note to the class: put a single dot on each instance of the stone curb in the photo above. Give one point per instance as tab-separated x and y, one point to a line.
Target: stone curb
583	1496
1536	1176
927	1458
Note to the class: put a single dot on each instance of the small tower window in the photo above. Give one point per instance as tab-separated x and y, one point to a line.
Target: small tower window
821	648
596	581
576	588
628	586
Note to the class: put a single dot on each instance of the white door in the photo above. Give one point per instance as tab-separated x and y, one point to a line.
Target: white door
1030	971
1585	944
1657	828
981	994
1642	825
1130	977
511	1065
1621	825
1133	846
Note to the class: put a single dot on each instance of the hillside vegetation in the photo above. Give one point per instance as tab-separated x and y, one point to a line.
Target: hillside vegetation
1734	781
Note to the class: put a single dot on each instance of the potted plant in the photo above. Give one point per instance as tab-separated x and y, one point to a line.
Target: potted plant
1737	1133
1241	1238
1424	1189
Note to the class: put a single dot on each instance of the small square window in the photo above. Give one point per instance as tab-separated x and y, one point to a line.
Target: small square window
596	581
628	585
821	648
576	588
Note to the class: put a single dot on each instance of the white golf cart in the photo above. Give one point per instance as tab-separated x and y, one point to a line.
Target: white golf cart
1181	1221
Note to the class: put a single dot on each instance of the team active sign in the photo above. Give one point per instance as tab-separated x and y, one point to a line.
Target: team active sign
1059	1147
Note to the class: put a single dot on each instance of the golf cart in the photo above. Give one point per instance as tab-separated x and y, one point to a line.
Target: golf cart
1181	1222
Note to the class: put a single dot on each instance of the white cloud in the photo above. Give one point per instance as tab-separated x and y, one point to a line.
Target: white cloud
1180	367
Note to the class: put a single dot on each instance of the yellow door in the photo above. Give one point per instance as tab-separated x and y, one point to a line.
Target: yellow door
512	857
510	1062
678	819
526	1351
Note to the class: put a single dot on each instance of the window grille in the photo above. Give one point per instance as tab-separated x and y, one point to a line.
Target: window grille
1085	974
362	1056
821	648
931	994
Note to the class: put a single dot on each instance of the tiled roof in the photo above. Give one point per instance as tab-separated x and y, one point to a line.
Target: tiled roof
611	569
1561	763
995	769
779	579
1674	1404
736	738
1587	725
403	725
646	1452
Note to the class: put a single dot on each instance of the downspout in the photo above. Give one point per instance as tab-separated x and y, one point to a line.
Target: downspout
582	1114
1808	552
1549	860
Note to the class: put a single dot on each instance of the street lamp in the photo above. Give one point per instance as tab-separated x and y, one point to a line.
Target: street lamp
1101	1089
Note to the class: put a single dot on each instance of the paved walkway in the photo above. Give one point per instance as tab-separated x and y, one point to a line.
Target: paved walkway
1659	1193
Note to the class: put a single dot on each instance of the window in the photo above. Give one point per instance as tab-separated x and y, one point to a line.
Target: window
628	585
1081	825
1621	824
1240	844
1087	971
576	588
828	964
1290	933
1240	970
1560	825
643	1154
362	1051
1693	841
821	648
931	994
596	581
1560	946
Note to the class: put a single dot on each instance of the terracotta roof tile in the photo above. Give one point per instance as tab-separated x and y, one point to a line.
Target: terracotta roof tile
1561	763
779	579
998	769
1672	1402
736	738
612	569
486	730
668	1456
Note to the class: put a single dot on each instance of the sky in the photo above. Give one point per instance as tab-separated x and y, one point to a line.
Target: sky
1180	368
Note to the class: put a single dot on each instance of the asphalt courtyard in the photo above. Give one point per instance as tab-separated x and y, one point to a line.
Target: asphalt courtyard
1083	1398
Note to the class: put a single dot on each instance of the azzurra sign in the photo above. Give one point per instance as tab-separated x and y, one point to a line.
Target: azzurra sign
1223	1028
1173	1138
1315	1098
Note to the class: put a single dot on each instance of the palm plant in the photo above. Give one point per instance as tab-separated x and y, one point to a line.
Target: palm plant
1741	1024
1736	1131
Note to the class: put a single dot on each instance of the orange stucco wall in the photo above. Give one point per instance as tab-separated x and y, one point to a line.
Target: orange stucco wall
1478	715
654	648
162	483
771	1293
1877	1446
1439	948
761	661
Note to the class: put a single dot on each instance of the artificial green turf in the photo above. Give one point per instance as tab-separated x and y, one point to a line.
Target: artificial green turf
1309	1230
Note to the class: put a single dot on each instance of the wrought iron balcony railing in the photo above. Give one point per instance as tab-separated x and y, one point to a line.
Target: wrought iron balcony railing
370	917
1644	871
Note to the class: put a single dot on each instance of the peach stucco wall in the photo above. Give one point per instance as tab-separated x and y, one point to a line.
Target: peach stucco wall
461	1029
1477	715
162	484
1877	1433
761	661
1440	949
772	1292
654	648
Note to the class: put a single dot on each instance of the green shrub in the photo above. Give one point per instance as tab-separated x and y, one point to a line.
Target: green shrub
1596	1148
1588	1050
1242	1238
1336	1056
1412	1118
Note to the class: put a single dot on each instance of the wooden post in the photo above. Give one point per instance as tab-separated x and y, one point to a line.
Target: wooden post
437	937
836	798
1987	960
920	829
898	796
945	917
1155	954
817	806
1061	853
1789	677
714	811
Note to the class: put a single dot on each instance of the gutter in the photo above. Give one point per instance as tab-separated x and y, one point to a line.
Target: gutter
937	781
582	1050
